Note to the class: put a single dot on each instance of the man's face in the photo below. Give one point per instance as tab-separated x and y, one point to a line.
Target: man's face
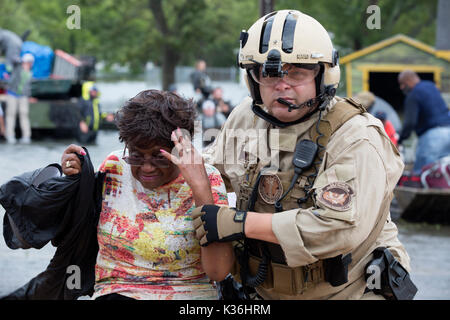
201	65
217	94
295	94
93	94
27	65
209	112
404	86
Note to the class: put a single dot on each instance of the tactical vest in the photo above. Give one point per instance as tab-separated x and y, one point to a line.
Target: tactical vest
280	277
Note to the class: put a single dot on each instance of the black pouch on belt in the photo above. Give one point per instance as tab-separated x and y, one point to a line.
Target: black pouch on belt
395	282
336	269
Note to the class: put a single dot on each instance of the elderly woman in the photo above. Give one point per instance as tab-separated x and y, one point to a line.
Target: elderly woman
146	235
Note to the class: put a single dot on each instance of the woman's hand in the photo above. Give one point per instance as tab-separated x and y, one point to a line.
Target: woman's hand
69	160
217	258
191	165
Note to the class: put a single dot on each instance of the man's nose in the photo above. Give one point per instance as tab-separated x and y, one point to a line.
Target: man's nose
281	84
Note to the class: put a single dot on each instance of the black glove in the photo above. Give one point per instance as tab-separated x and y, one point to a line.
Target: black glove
218	224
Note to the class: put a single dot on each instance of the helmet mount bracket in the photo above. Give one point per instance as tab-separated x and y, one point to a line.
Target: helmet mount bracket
272	67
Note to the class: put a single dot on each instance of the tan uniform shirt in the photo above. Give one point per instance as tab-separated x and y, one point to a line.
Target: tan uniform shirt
359	159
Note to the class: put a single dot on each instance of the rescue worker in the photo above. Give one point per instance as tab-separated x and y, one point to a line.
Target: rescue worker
91	115
313	173
18	101
200	80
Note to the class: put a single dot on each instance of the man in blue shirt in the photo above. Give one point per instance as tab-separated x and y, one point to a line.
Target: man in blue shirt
426	112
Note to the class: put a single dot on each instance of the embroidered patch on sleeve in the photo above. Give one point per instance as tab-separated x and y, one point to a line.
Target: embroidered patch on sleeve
337	196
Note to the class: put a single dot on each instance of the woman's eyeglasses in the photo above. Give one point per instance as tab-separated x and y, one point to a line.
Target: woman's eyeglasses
158	161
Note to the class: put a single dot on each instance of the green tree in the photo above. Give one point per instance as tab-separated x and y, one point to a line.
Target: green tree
346	19
14	17
191	29
170	32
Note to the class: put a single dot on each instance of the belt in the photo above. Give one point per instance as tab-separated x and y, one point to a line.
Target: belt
284	279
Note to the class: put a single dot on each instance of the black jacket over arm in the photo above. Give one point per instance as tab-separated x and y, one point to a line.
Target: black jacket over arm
63	210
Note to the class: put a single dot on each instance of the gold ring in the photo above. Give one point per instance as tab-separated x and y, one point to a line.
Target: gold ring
68	164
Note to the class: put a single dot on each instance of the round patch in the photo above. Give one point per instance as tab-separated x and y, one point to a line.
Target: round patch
336	195
270	188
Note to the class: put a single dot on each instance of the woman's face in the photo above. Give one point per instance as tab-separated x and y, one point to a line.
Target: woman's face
156	170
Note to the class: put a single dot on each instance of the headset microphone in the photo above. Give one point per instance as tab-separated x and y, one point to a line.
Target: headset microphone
287	103
291	106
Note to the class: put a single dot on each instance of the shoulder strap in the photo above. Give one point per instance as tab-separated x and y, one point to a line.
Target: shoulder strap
343	110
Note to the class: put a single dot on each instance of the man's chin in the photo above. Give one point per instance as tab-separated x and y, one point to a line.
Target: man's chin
282	114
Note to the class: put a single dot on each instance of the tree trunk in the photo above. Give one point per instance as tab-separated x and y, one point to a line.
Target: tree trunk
170	56
357	44
265	7
443	25
72	43
169	62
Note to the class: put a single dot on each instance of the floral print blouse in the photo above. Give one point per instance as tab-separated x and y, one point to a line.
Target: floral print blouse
147	248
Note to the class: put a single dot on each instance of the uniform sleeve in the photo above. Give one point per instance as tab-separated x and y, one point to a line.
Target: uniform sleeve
348	197
82	109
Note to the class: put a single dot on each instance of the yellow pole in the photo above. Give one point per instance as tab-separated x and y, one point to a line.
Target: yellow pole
366	79
348	76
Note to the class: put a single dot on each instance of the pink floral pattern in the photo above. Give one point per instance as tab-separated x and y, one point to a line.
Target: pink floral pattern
147	248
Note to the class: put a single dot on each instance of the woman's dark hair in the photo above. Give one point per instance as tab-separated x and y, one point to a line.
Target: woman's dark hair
152	115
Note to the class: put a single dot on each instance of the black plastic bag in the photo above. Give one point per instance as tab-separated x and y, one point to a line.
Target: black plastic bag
63	210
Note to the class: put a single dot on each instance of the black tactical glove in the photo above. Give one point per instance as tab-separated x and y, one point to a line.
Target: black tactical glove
218	224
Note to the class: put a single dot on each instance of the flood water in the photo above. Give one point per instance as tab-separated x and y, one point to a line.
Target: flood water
427	245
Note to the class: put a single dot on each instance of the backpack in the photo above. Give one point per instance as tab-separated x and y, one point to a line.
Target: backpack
437	174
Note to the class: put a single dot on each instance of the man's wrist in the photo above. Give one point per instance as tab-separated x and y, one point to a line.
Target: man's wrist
259	226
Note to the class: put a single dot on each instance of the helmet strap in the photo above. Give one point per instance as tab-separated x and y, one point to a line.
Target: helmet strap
323	100
276	122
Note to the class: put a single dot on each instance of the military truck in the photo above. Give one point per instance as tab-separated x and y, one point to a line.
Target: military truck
57	89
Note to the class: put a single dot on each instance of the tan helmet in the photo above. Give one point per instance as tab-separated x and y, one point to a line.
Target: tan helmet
289	36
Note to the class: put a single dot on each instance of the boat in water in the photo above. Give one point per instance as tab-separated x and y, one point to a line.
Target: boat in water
425	198
422	205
